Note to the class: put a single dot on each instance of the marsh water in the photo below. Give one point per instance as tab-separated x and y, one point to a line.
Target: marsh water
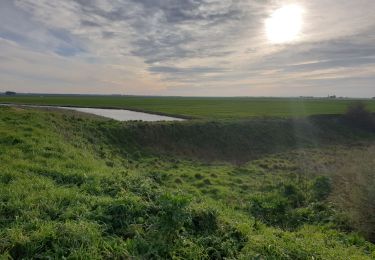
116	114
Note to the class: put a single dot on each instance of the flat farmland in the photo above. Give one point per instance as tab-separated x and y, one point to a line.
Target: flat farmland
200	107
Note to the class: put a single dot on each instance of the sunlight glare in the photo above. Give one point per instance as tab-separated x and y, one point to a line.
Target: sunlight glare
285	24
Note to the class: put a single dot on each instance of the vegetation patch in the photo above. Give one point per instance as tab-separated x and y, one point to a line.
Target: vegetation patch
79	187
208	108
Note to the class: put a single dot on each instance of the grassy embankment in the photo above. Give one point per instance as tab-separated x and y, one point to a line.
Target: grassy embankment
202	108
78	186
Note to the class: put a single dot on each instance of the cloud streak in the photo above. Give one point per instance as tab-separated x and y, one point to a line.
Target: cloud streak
185	47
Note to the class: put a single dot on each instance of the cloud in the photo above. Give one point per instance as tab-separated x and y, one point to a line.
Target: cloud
201	47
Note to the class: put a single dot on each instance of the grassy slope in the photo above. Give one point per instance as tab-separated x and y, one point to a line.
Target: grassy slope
238	141
67	191
207	108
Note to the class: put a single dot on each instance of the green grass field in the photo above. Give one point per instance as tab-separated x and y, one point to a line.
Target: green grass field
76	186
204	108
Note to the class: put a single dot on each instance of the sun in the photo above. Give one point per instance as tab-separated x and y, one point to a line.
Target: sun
285	24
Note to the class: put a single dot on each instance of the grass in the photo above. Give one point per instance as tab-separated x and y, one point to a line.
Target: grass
354	189
202	108
81	187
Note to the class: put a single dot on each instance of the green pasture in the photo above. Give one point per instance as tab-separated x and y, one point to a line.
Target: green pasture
203	108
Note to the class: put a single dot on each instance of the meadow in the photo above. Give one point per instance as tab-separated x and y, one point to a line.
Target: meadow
77	186
199	107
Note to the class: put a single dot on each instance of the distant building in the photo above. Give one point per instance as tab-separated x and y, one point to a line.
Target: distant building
10	93
332	97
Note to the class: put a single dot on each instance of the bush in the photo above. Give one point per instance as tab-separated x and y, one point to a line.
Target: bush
225	243
172	215
162	237
120	216
294	195
289	208
205	220
358	115
270	209
321	188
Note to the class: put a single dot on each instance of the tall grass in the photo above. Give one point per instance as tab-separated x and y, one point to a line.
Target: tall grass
354	189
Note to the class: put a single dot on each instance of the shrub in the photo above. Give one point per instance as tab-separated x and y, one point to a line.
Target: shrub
120	216
158	177
294	195
198	176
163	235
172	215
358	115
270	209
321	188
315	213
289	208
204	220
225	243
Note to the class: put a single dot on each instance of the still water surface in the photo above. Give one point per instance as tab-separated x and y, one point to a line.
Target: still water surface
116	114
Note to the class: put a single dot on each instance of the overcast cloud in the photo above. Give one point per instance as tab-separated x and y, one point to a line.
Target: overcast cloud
185	47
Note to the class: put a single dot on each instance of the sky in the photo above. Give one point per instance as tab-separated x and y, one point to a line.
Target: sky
186	47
